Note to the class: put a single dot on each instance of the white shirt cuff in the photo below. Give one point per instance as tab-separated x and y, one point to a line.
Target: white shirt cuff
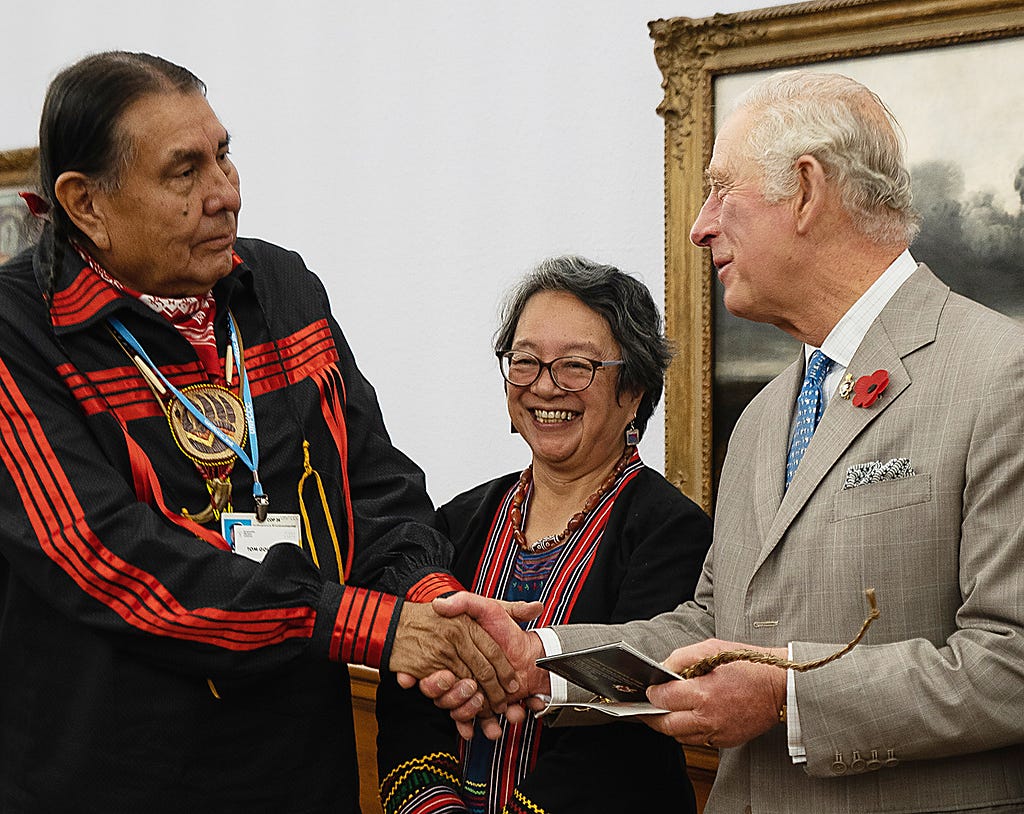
793	734
553	647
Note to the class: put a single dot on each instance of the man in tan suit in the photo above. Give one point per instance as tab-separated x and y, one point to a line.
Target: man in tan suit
914	487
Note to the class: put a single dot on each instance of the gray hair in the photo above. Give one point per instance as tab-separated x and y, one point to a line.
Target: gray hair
626	305
849	130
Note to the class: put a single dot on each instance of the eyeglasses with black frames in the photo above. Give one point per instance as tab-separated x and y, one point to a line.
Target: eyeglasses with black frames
569	373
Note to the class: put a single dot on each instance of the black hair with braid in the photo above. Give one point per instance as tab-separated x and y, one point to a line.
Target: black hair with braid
79	128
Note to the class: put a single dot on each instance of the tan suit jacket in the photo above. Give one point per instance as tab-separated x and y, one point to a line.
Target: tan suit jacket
927	714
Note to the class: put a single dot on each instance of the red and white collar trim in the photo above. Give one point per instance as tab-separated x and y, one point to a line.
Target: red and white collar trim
193	316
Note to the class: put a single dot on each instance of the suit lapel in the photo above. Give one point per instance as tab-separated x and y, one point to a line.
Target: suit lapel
908	322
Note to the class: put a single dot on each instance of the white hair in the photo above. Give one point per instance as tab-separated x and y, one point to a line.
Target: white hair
849	130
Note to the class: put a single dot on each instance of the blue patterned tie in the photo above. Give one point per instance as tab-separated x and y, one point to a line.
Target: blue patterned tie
808	410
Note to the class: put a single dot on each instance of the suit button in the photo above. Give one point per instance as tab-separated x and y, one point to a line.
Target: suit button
891	759
838	767
874	763
857	764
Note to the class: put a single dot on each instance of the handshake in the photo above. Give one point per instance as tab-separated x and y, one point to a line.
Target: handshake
471	657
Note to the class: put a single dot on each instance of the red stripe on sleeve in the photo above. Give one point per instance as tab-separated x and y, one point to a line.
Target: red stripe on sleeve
431	586
361	626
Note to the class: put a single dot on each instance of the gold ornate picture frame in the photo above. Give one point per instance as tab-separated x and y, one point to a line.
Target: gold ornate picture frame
703	61
18	228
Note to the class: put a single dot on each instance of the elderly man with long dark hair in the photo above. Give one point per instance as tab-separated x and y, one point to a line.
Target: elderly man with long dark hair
202	517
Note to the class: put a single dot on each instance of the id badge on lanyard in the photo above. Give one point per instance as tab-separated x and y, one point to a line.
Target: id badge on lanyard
251	537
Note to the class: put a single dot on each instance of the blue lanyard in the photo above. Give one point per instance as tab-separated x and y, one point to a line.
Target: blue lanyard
261	500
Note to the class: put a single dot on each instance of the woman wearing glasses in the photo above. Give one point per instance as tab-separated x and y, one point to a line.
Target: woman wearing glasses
587	529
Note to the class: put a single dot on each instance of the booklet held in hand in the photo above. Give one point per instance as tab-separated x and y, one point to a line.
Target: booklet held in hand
616	673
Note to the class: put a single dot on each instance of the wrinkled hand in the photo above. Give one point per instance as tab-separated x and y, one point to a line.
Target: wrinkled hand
461	697
427	642
729	706
501	620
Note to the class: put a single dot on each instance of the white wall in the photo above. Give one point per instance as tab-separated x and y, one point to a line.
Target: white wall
420	156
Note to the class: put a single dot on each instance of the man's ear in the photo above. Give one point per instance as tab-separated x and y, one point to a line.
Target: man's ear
76	192
812	195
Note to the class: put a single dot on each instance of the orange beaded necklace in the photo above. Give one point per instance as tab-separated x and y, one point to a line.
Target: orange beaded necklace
553	540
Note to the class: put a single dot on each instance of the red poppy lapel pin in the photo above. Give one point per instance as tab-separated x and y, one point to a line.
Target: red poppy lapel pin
867	389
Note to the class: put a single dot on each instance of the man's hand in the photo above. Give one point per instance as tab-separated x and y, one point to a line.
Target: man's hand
501	620
427	642
460	695
729	706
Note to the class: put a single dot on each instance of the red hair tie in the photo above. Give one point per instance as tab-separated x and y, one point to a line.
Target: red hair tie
39	207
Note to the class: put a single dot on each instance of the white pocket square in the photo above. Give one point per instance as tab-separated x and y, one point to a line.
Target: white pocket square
876	471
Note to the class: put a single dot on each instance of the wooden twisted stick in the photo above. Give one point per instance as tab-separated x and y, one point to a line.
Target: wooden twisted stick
706	665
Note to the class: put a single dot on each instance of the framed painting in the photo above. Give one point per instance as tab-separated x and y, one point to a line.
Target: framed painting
18	228
952	71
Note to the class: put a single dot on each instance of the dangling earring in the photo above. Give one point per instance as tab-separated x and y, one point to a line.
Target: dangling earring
632	434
